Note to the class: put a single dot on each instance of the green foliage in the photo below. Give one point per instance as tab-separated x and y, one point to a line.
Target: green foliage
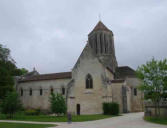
6	79
48	118
58	105
111	108
158	120
8	69
23	125
154	79
4	53
32	112
10	104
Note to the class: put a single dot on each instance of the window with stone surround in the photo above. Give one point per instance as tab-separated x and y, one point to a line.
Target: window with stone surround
30	93
51	90
63	90
89	82
135	91
21	92
41	91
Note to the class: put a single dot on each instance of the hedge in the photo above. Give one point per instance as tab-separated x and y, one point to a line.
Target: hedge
32	112
111	108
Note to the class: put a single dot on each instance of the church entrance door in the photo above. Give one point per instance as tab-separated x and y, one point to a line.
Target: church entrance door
78	109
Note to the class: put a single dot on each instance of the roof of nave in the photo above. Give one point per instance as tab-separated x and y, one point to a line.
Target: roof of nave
117	81
52	76
100	27
125	71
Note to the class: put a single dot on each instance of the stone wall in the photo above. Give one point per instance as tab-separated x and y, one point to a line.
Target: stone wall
150	109
117	94
136	100
36	100
90	100
102	43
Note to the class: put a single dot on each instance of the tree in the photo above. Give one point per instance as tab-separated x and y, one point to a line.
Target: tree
5	54
8	69
10	104
154	81
19	72
58	105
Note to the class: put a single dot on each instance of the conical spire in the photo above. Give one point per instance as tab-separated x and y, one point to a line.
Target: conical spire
100	27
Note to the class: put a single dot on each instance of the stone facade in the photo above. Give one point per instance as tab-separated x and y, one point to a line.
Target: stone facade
150	109
37	100
136	100
94	79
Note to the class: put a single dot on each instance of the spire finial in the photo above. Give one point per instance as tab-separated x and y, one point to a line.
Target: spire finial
99	17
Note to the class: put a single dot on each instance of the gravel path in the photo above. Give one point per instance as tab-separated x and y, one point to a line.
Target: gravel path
131	120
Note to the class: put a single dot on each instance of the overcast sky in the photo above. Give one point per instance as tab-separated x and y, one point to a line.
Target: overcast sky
50	34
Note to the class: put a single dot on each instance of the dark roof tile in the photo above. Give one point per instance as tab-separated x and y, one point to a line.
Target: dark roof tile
117	81
53	76
124	71
100	27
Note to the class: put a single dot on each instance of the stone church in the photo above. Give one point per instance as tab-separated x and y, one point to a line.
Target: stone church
94	79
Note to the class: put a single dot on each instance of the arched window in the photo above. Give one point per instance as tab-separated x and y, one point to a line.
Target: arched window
89	81
21	92
63	91
51	90
30	92
41	91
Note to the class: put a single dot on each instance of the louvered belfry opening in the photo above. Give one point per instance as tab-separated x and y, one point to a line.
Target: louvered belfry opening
101	40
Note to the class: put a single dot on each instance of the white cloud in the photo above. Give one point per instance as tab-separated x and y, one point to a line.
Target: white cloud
50	35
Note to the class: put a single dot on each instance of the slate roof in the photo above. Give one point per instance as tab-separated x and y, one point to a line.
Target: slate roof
53	76
117	81
124	71
100	27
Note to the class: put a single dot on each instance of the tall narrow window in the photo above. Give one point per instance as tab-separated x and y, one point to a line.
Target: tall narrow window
51	90
21	92
63	91
101	43
135	91
41	91
96	47
105	44
90	42
30	92
89	81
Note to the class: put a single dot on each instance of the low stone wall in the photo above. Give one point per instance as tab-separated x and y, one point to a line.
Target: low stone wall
150	109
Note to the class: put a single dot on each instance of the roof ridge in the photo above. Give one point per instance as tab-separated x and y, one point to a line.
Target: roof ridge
53	76
100	26
53	73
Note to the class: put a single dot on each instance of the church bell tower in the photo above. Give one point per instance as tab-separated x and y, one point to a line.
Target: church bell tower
101	40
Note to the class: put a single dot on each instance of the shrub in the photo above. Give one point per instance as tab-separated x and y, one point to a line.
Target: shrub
111	108
10	104
32	112
57	104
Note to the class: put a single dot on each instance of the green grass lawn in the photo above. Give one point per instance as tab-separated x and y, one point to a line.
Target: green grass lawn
46	118
22	125
156	120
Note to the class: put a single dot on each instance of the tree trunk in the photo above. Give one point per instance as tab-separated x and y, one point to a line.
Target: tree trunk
155	109
158	108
